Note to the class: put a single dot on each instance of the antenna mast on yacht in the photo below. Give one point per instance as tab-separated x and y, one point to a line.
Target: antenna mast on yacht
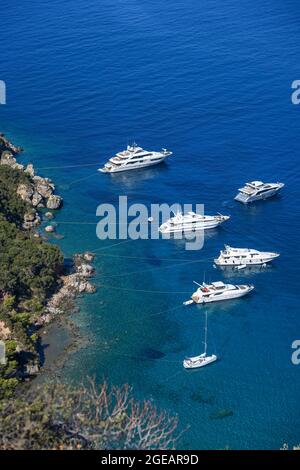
205	336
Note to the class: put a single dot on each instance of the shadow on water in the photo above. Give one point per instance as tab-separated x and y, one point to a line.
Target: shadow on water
201	398
221	414
149	353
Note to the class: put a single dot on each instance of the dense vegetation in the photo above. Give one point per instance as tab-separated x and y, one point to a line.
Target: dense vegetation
60	417
12	208
29	270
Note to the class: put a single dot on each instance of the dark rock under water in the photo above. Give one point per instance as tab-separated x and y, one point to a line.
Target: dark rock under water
200	397
220	414
149	353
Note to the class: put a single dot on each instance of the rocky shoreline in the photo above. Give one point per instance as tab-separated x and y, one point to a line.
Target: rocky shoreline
39	194
74	283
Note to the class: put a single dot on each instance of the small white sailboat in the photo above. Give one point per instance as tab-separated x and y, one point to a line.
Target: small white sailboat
203	359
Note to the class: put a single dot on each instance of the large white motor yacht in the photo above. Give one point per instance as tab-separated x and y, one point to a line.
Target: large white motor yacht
257	190
243	256
192	222
219	291
134	157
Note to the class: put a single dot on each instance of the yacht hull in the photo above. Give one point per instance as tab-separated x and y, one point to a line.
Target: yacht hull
130	167
199	361
256	197
252	262
198	299
206	226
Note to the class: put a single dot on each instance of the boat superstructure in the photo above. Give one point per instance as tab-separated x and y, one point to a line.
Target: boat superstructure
134	157
192	222
219	291
243	256
203	359
257	190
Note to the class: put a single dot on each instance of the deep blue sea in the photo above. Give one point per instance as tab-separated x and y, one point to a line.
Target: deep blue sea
210	80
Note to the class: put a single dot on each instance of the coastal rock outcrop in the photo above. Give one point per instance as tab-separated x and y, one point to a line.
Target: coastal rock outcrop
73	284
4	142
5	332
43	186
50	228
31	220
54	202
39	191
37	199
7	158
88	256
86	270
25	192
29	170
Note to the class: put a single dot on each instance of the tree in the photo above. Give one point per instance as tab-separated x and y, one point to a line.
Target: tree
91	417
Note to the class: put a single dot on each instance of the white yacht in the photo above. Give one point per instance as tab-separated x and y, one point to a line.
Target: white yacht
203	359
243	257
257	190
134	157
219	291
192	222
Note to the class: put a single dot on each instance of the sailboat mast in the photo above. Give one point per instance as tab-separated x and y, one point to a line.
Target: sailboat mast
205	330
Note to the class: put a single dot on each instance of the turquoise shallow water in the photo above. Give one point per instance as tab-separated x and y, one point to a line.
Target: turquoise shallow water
211	81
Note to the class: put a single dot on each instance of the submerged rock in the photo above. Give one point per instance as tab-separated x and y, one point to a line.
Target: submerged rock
220	414
49	215
149	353
200	397
58	236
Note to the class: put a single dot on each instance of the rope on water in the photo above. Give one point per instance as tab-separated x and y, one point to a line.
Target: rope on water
68	166
152	270
103	286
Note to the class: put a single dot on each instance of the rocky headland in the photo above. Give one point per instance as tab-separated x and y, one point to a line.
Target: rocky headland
38	192
22	315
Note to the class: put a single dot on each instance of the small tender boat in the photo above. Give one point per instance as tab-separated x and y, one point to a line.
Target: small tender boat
242	266
134	157
257	190
192	222
217	291
244	257
203	359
